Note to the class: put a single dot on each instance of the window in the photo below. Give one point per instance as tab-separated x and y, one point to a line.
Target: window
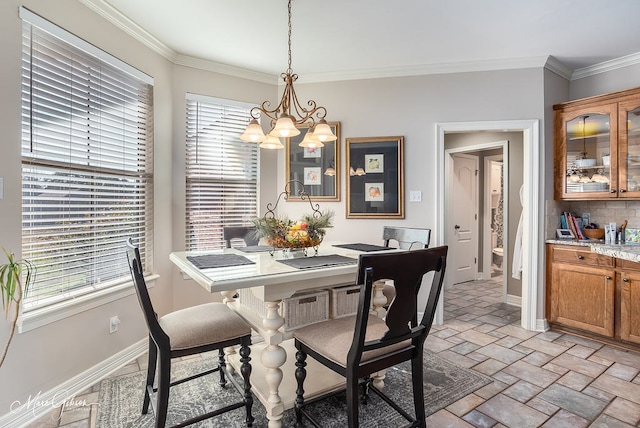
87	180
221	171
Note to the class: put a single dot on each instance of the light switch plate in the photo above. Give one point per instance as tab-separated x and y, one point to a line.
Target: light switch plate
415	196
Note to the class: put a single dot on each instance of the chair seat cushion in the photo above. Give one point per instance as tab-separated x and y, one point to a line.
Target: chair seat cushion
333	338
203	325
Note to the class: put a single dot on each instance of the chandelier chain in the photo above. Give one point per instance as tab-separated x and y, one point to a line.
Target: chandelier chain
289	35
289	107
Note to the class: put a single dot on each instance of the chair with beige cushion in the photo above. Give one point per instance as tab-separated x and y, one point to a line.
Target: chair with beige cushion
246	233
189	331
360	345
406	238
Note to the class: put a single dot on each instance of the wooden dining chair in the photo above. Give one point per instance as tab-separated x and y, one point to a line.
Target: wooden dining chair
360	345
246	233
202	328
406	238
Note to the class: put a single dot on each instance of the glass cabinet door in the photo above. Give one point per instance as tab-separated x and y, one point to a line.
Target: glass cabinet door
629	143
589	161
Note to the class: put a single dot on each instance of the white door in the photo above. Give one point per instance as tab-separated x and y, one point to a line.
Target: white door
462	233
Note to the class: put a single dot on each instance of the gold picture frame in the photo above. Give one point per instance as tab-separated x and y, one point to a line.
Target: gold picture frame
312	167
375	177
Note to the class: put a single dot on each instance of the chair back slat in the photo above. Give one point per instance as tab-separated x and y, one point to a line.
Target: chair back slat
246	233
407	238
407	270
137	274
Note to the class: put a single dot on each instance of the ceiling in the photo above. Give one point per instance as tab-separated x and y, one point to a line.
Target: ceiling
347	39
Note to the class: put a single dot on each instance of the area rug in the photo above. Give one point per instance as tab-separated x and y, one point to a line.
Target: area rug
121	398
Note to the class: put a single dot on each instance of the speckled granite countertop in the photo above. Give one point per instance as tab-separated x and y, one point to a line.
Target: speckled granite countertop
629	252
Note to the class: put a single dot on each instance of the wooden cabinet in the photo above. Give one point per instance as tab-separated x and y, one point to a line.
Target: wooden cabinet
630	306
597	147
593	293
581	289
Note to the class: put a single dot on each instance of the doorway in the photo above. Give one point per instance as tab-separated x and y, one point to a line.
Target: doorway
490	211
532	251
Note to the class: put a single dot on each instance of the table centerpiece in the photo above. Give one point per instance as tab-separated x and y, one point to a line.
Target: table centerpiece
284	233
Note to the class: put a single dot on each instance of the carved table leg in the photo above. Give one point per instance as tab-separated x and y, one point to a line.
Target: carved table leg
273	356
379	300
228	297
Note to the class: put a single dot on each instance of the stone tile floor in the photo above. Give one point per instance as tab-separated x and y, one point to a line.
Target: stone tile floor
545	379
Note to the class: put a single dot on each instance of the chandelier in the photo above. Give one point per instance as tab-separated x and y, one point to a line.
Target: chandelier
288	115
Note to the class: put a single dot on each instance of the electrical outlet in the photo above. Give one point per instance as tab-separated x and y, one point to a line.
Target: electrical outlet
415	196
114	322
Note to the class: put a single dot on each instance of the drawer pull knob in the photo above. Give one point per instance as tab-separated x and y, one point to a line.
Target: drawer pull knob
613	191
622	190
580	257
607	277
625	279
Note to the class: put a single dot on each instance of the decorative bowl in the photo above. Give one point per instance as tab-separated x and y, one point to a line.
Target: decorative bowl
593	233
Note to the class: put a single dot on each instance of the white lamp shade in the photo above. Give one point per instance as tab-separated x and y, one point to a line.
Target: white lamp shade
330	171
360	171
352	171
253	132
285	127
310	140
271	142
323	131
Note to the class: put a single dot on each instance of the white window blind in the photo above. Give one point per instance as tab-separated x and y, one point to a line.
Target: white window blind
221	171
87	183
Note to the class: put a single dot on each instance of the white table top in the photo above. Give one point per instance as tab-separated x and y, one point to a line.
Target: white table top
274	280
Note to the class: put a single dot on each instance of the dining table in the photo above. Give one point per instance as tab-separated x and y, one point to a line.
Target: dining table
270	276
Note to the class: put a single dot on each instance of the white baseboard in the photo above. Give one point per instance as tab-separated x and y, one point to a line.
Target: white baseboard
514	300
542	325
34	407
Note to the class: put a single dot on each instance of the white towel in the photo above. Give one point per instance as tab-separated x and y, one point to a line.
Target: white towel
516	268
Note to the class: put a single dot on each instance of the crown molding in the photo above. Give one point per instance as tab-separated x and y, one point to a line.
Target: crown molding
116	17
603	67
426	69
216	67
558	67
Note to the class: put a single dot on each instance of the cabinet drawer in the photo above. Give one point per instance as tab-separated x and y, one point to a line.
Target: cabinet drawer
576	255
627	265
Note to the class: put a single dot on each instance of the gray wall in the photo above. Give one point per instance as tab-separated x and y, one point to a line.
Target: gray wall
43	358
615	80
411	107
407	106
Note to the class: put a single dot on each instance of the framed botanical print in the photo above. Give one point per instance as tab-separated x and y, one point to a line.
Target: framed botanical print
375	186
317	168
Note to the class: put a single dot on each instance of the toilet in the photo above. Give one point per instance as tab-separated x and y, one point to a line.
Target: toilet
496	256
497	252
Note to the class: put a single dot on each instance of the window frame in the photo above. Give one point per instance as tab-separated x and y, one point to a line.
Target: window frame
118	180
227	144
